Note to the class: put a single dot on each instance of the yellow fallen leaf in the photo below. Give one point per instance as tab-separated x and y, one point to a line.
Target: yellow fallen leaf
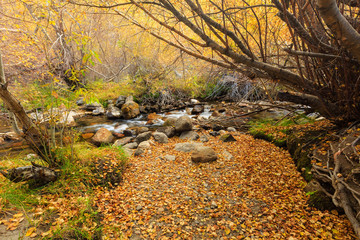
30	231
18	215
227	231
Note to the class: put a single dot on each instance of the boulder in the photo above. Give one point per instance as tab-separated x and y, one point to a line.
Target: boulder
203	155
132	145
120	101
122	142
98	111
170	122
183	124
160	137
143	137
113	112
197	109
130	110
227	138
189	135
92	106
187	147
102	136
169	131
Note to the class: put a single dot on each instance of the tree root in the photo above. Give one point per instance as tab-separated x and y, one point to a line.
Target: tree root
341	170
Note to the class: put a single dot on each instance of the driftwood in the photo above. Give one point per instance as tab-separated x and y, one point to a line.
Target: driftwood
39	175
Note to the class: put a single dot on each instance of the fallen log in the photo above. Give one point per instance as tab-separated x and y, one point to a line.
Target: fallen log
39	175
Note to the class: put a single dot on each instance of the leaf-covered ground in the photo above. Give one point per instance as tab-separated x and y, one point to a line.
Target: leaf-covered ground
255	195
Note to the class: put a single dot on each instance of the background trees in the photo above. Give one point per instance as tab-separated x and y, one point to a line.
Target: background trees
312	51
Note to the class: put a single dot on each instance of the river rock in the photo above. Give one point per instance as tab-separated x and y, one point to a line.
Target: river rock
227	155
130	110
189	135
231	129
194	101
132	145
98	111
169	122
103	135
92	106
160	137
183	124
197	109
204	138
169	131
203	155
122	141
140	130
80	102
113	112
187	147
143	137
120	101
227	138
128	132
170	158
68	118
144	145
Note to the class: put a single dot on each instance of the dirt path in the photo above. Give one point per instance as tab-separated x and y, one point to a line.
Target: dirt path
255	195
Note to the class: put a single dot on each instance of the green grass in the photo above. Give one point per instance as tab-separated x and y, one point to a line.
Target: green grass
84	170
277	131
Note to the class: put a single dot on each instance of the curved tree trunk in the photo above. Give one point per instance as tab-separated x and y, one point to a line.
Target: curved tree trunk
338	24
37	140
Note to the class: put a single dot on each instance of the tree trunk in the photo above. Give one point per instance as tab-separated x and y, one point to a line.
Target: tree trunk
37	140
338	24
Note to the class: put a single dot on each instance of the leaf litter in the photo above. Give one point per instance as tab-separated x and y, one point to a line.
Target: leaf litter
257	194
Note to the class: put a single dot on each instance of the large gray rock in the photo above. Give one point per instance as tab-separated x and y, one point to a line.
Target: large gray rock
189	135
187	147
130	110
203	155
183	124
160	137
120	101
122	141
102	136
113	112
169	131
143	137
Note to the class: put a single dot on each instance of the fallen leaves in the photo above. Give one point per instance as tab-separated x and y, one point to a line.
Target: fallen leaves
258	194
